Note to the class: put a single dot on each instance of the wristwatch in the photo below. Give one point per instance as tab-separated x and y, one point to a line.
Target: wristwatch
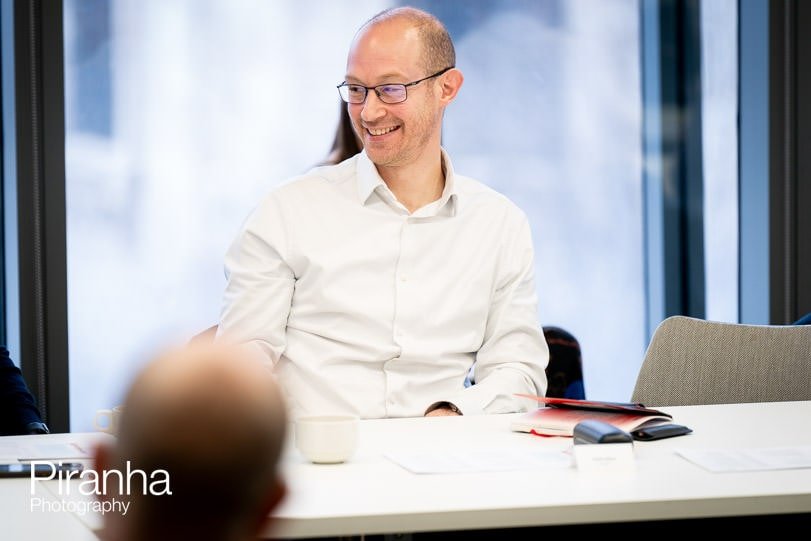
453	408
37	428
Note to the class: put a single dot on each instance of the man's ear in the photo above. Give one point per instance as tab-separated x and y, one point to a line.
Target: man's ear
450	83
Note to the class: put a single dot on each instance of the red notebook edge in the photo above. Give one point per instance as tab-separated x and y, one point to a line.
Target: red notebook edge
635	409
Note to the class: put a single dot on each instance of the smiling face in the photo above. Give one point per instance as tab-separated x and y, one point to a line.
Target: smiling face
394	134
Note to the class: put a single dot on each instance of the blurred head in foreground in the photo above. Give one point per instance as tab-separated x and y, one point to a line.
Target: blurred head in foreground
211	418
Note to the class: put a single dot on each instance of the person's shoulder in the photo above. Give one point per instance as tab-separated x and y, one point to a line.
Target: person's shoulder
318	181
337	174
480	197
315	191
5	357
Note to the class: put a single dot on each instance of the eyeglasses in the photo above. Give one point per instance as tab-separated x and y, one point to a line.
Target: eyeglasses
388	93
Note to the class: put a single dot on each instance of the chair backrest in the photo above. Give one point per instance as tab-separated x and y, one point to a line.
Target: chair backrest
693	361
564	373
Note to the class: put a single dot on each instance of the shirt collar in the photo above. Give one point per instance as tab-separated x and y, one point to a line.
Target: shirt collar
368	179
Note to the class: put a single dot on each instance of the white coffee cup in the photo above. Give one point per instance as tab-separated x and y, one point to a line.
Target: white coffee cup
113	419
327	439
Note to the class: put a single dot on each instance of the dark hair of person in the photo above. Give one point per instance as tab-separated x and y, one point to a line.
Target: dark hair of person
346	144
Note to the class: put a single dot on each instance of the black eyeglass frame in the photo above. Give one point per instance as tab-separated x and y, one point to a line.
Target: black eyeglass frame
379	95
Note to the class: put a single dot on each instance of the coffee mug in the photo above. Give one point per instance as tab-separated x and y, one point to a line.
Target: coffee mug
327	439
113	418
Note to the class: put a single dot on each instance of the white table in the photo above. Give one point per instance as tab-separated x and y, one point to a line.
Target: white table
19	521
371	494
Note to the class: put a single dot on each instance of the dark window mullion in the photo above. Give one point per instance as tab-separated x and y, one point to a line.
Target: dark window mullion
39	100
673	158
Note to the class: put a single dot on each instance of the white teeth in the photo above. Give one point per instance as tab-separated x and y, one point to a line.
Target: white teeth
381	131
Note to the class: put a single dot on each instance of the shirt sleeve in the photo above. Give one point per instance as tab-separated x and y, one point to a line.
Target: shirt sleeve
260	285
514	354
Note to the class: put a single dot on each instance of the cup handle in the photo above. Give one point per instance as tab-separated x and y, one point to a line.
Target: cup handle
106	427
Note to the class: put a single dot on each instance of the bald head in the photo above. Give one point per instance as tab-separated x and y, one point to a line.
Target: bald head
437	48
185	394
213	418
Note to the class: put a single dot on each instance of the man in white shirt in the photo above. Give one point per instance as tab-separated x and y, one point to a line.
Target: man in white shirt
371	287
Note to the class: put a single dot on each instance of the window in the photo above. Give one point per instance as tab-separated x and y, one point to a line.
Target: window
181	115
719	92
550	115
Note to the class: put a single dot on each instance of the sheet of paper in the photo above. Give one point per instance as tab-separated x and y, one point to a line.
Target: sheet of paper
742	460
11	452
479	460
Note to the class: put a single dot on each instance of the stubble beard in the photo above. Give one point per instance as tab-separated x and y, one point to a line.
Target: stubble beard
407	151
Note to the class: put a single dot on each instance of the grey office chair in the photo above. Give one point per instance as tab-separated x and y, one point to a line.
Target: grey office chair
692	361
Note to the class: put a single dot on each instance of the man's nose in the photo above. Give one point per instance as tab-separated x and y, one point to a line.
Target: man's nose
373	108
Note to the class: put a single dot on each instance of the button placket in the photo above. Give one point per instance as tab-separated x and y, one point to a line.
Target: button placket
401	282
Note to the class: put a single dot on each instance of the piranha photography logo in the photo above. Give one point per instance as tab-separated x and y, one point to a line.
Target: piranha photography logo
80	491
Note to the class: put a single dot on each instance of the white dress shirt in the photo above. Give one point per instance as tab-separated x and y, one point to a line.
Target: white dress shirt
362	308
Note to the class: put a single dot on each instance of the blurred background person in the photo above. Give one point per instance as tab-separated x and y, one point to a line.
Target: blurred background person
215	421
346	143
18	409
